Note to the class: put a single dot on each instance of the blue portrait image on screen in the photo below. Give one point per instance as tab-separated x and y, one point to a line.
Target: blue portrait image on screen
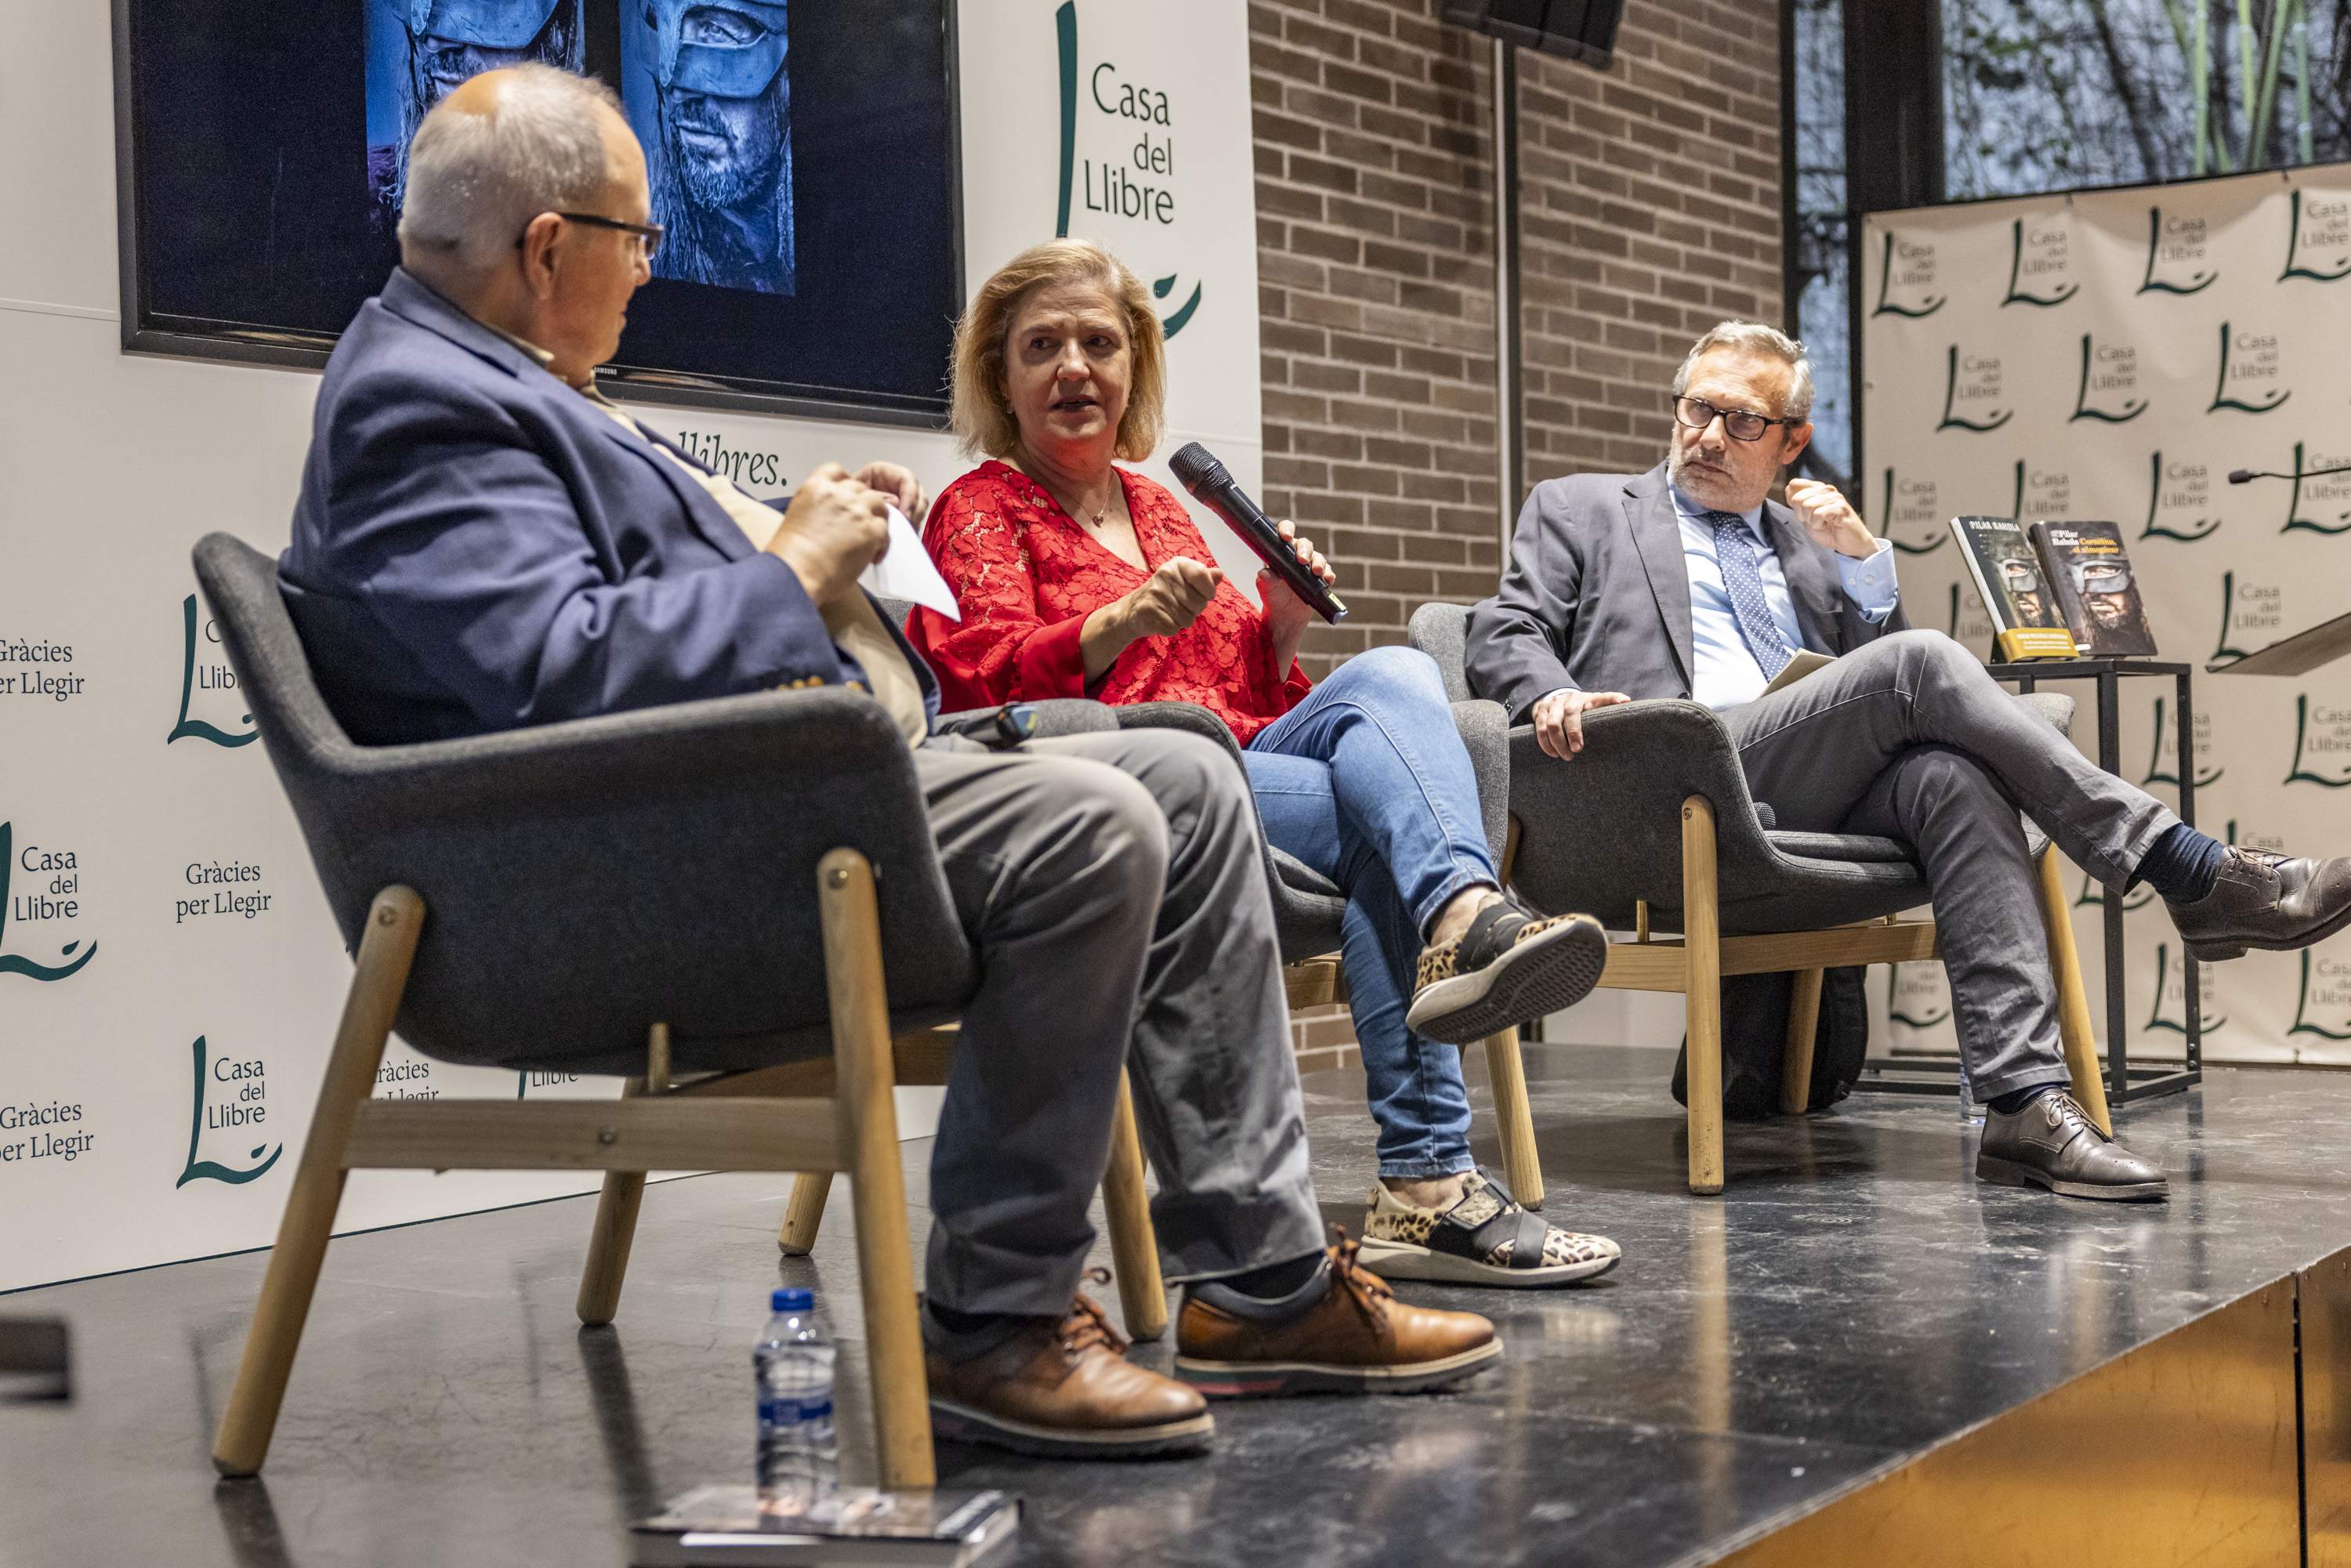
706	87
419	50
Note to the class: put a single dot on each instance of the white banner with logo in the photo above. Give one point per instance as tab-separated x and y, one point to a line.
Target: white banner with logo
169	976
2112	356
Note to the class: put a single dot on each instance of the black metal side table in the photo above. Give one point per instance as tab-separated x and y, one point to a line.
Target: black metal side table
2124	1082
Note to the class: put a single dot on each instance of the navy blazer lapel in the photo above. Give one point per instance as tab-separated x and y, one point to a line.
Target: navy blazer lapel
1657	533
1814	586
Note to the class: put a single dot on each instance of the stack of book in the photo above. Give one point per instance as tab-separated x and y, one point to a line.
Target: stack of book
717	1526
2055	591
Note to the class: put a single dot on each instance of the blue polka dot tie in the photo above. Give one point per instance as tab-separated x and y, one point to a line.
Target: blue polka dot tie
1742	579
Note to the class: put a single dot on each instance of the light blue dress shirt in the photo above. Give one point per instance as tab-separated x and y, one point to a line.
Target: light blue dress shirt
1727	673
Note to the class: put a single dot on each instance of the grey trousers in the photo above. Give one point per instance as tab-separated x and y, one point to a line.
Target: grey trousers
1114	890
1908	739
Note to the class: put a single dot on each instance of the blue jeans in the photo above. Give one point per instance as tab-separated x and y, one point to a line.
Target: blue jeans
1366	781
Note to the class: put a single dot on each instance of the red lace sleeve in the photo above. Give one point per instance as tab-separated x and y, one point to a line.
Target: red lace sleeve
1002	651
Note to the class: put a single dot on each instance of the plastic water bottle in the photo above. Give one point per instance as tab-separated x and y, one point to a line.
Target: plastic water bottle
1971	1109
799	1460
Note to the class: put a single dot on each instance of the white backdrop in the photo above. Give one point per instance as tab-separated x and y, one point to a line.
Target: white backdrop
168	974
2113	356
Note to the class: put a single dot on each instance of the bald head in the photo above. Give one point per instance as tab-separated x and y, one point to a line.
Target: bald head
526	194
503	148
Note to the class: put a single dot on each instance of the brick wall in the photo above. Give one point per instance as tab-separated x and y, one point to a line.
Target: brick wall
1650	209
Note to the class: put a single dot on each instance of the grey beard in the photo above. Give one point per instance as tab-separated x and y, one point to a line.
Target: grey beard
722	185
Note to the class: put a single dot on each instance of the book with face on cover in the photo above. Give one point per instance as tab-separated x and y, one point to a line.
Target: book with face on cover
2026	622
2090	573
716	1525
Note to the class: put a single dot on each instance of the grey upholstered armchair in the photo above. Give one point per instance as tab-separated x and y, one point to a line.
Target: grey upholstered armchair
714	888
1652	826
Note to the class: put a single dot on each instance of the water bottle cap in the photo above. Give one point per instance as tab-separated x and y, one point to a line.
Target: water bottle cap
792	1299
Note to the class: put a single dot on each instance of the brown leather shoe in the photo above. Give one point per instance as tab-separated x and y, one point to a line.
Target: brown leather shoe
1357	1338
2262	900
2050	1142
1065	1390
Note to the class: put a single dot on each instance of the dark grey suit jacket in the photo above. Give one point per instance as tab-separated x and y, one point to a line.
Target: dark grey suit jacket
1597	596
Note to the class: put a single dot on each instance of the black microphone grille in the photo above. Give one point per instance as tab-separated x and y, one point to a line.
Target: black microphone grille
1193	465
2241	476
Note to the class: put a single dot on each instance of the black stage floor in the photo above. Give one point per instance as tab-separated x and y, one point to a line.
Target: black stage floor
1854	1297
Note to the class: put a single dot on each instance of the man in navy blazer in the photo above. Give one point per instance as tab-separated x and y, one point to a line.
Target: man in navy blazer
477	546
484	542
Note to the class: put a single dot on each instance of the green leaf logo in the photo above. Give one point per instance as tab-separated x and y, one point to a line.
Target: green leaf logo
2188	979
1952	395
2298	774
2203	527
1885	306
1886	513
2159	771
10	964
2016	296
2197	281
2132	406
188	729
1065	38
2220	397
212	1170
2337	237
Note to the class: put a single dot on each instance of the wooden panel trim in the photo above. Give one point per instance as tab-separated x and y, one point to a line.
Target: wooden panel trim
643	1134
2209	1474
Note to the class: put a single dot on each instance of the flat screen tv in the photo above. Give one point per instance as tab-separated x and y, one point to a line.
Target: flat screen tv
802	156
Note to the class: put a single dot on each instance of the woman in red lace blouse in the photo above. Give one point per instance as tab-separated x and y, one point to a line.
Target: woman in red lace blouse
1078	578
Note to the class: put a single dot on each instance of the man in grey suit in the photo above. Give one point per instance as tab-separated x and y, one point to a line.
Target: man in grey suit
1687	582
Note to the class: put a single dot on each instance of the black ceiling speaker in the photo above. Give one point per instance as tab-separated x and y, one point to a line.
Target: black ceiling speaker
1582	30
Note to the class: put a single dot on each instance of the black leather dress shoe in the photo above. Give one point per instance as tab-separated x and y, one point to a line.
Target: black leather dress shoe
2266	901
2050	1142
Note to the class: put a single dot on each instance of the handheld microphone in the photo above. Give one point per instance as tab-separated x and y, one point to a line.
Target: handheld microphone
1209	484
2247	476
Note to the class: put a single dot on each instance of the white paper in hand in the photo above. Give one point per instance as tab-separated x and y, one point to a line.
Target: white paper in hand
905	571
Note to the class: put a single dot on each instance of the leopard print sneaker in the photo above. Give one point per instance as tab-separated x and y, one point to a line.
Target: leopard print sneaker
1486	1238
1507	967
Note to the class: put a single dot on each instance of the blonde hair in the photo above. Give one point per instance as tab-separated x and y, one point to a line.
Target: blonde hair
982	419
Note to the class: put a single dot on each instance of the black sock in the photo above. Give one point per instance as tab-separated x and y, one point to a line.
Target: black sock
1276	1280
957	1322
2016	1099
2182	866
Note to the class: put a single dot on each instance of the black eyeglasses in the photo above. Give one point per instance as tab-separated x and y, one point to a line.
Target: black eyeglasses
1738	423
649	236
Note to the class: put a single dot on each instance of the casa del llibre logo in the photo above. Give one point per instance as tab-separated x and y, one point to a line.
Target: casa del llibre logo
1136	187
41	901
212	675
239	1102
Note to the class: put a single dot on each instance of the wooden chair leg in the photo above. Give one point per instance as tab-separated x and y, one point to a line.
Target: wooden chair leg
617	1205
1506	1069
609	1242
803	1212
866	1075
1702	1000
2073	1001
386	950
1803	1028
1133	1244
